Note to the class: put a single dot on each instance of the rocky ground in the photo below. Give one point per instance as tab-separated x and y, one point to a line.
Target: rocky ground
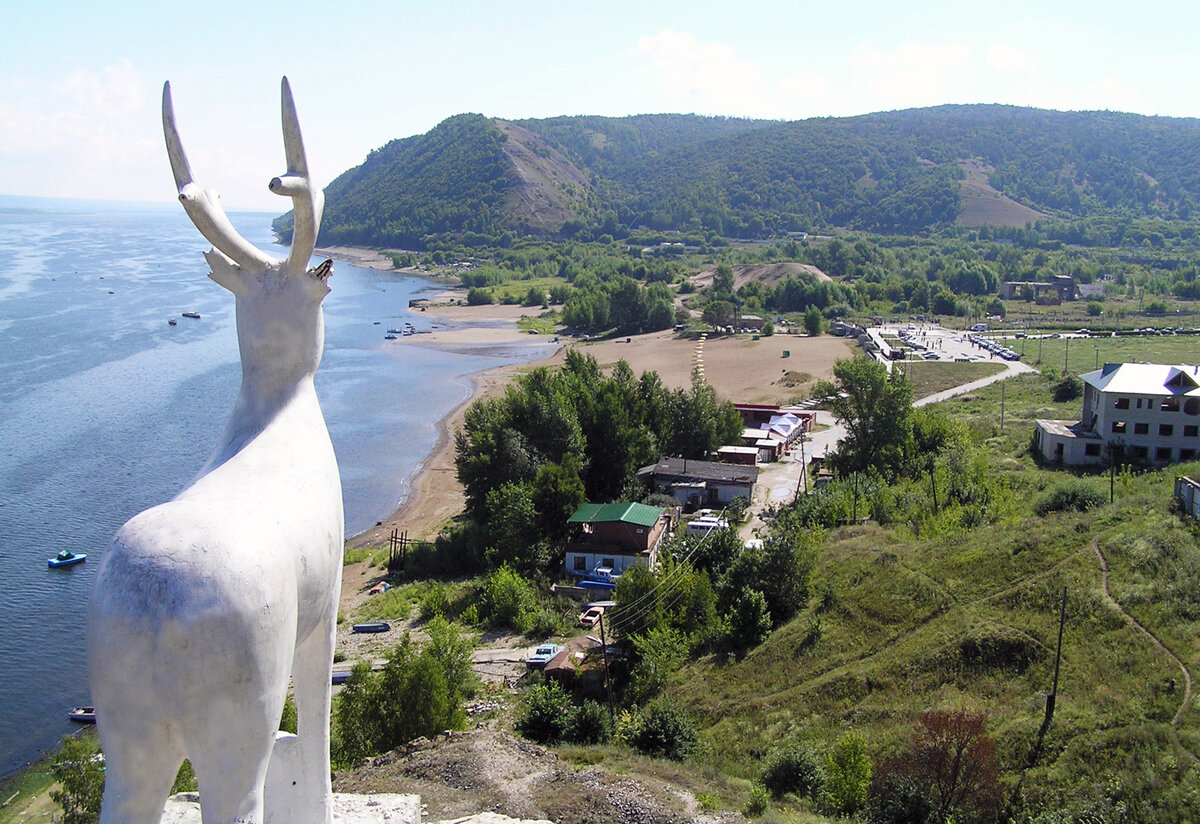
465	773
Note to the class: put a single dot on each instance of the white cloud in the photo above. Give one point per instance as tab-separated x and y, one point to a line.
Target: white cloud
113	91
912	74
710	78
1004	57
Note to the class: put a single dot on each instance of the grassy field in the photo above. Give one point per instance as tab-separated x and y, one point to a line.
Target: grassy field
931	377
967	619
1078	355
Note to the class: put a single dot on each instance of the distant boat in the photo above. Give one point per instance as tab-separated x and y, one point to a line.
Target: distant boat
66	558
172	321
372	626
389	337
83	715
193	315
393	331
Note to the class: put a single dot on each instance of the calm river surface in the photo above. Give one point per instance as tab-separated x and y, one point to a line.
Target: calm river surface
105	409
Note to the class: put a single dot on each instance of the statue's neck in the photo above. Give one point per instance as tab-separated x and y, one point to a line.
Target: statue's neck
263	404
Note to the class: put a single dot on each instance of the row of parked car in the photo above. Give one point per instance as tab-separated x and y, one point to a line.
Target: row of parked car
995	347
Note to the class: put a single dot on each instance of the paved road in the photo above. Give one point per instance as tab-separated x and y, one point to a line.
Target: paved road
779	482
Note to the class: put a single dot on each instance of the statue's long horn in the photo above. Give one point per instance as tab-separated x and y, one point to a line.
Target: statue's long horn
307	200
202	205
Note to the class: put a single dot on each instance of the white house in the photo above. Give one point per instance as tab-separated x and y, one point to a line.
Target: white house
1140	412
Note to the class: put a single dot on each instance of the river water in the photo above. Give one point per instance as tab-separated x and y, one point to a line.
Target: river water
106	409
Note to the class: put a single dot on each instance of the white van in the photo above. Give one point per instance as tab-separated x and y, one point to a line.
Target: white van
706	524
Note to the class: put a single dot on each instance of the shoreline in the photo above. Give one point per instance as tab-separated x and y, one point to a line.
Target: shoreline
434	495
777	369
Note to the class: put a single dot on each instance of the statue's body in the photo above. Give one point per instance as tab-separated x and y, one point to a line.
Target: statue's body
204	606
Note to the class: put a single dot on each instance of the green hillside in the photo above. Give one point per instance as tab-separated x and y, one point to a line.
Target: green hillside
941	615
892	172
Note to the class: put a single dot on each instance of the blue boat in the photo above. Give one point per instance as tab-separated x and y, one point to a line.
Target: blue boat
66	558
371	626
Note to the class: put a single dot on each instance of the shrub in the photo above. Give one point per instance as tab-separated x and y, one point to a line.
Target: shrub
82	779
478	297
509	600
950	767
665	731
409	698
549	714
898	799
1067	389
435	602
847	774
759	803
749	620
793	768
1075	494
590	724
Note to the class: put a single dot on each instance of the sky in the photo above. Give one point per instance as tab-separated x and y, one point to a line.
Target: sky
81	82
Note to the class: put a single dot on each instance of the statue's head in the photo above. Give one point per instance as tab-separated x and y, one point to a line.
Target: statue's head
280	325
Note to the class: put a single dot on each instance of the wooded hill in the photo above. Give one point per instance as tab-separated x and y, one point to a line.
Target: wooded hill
912	171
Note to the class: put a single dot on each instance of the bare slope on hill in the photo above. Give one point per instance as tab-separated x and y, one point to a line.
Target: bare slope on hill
982	204
768	274
463	773
550	189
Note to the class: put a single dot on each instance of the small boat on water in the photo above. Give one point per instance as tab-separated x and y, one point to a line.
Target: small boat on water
83	715
193	315
390	337
172	322
393	331
66	558
372	626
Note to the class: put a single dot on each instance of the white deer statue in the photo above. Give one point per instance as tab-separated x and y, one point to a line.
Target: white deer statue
205	605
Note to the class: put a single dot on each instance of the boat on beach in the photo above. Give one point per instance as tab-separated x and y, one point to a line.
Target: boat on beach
66	558
83	715
372	626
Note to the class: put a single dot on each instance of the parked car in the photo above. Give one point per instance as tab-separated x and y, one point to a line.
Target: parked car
542	656
590	616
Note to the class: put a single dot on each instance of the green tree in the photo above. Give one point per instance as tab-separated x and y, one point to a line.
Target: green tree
508	600
847	774
81	779
813	322
749	620
718	313
792	768
666	731
549	713
876	410
512	528
722	285
410	697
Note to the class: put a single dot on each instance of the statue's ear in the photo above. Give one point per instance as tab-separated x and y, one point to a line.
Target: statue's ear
225	271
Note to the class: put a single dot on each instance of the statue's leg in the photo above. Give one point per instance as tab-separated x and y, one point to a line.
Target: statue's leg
311	682
230	757
140	762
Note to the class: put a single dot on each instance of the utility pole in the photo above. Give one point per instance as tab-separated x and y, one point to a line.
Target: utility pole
1053	696
1066	355
608	681
1001	406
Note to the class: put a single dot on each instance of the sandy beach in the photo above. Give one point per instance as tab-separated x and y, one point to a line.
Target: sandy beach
777	369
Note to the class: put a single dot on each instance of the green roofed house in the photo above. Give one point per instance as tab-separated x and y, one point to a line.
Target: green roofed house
616	536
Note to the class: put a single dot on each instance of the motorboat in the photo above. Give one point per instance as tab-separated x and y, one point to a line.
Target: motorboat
66	558
192	315
83	715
